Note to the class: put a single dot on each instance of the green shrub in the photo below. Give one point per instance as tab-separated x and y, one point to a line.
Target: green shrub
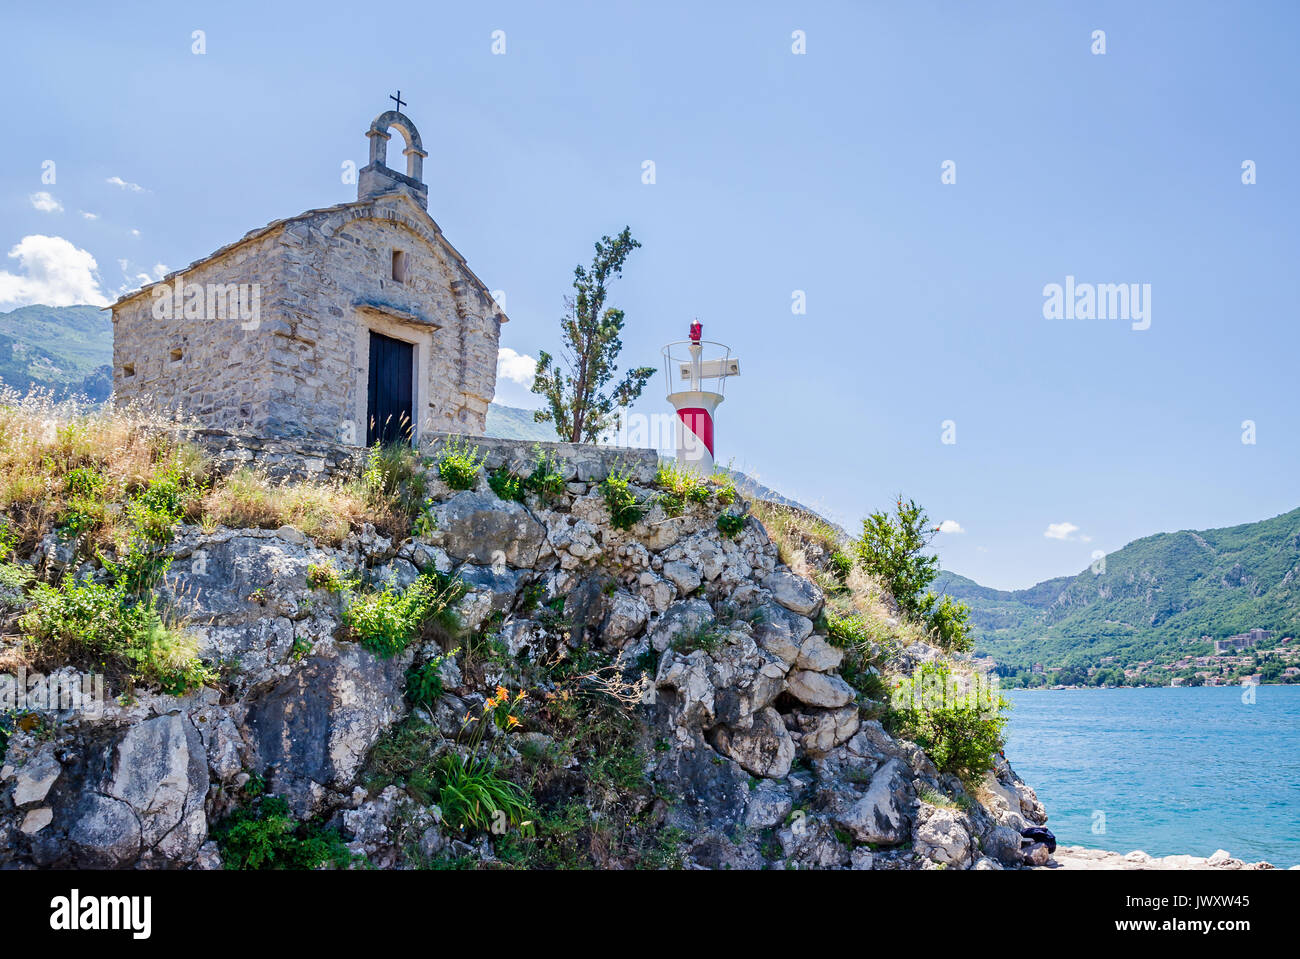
265	835
155	508
387	620
730	524
893	550
625	510
506	484
424	683
840	564
949	625
101	626
545	480
961	731
325	576
459	464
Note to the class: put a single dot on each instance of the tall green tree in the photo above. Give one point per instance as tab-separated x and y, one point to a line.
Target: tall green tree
894	549
577	400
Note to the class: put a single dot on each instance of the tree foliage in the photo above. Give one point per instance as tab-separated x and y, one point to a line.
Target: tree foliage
578	402
894	550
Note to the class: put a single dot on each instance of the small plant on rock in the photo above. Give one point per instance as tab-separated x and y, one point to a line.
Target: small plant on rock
730	524
506	484
459	464
625	509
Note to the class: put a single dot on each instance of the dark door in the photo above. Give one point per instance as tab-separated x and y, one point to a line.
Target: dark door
388	406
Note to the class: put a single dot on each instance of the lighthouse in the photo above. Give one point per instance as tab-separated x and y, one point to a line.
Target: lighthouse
696	372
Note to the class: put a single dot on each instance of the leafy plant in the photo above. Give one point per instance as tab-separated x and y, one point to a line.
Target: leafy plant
576	400
264	835
470	792
424	683
459	464
387	620
893	549
104	626
546	479
730	524
625	509
960	730
506	484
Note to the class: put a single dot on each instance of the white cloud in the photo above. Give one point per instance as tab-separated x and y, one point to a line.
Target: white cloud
135	232
1065	531
90	216
516	367
119	182
950	526
50	271
153	276
45	202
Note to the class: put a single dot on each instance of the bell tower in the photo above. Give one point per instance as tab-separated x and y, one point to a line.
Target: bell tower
377	177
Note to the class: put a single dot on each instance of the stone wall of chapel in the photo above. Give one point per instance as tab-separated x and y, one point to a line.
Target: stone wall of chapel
213	368
300	370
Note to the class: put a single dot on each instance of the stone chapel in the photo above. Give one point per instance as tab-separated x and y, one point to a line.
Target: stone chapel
350	324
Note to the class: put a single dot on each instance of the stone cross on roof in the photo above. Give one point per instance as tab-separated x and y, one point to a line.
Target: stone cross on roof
400	102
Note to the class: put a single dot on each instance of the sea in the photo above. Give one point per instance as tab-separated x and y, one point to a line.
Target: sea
1165	770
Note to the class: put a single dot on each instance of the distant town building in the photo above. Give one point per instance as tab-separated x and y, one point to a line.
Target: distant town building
1242	640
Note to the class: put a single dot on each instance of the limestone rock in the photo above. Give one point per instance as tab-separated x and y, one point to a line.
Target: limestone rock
314	728
685	577
681	618
795	593
626	617
880	815
781	632
769	805
482	529
33	780
818	655
819	689
942	836
821	730
764	748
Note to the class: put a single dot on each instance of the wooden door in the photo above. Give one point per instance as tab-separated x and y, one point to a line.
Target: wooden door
389	405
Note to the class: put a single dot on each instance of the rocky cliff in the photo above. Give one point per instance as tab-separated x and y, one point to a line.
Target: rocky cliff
664	694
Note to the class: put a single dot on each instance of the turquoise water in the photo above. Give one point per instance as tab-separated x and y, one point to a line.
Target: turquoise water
1174	770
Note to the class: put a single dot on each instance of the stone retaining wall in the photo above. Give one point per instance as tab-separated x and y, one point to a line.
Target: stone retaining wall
300	459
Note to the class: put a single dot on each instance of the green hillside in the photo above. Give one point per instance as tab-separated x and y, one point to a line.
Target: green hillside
1155	596
65	349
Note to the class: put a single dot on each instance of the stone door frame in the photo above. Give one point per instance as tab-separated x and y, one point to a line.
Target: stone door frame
421	338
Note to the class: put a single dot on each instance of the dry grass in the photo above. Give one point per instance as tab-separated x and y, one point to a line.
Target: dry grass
807	543
68	462
326	512
43	441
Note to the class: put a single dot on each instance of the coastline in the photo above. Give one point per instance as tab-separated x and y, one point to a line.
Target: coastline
1081	857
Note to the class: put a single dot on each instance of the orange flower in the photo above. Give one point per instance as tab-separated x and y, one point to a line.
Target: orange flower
502	694
511	722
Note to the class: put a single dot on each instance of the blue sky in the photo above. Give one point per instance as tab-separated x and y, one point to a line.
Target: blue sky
775	172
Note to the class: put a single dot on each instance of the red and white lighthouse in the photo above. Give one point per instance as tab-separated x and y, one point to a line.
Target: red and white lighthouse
696	371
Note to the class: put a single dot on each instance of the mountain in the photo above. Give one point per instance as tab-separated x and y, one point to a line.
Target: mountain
509	422
64	349
1151	597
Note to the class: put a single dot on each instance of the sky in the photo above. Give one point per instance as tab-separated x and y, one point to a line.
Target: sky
800	153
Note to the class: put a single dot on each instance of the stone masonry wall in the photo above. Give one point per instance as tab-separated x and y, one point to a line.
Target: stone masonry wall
223	373
301	370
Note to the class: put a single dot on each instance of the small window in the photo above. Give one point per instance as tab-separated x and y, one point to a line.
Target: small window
128	369
399	266
177	356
